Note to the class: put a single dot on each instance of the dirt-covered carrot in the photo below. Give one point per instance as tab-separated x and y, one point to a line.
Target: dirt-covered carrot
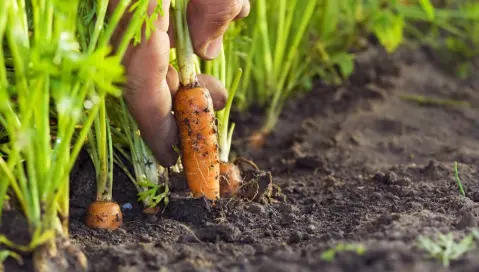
195	116
104	215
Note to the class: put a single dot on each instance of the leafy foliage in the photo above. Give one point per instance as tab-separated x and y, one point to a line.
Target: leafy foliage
56	69
330	254
153	192
445	248
282	50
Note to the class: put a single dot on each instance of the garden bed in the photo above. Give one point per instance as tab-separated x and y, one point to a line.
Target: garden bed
362	163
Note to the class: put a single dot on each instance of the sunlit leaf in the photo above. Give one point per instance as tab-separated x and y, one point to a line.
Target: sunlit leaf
428	9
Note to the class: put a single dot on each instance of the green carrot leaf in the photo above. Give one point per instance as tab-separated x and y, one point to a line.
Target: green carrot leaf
428	9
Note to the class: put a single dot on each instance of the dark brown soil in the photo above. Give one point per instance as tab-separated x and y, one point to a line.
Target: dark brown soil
358	163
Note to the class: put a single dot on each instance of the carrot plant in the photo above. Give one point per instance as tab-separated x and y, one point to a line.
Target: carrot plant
450	28
278	57
52	65
291	42
335	31
149	178
453	29
103	212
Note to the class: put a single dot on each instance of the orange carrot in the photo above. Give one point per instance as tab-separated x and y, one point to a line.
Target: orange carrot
104	215
195	119
195	116
257	139
230	179
151	210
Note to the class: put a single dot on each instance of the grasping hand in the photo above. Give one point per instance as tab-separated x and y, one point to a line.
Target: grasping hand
152	82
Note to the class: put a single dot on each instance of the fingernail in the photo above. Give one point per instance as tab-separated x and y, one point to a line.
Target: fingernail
213	48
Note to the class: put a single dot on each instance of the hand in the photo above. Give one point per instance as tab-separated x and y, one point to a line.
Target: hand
152	82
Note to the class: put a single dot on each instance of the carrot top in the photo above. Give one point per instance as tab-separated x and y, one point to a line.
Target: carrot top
184	48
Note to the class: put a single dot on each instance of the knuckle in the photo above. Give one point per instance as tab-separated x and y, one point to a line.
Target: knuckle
222	12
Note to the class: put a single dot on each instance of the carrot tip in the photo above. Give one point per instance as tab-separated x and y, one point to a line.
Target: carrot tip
104	215
230	179
257	139
151	210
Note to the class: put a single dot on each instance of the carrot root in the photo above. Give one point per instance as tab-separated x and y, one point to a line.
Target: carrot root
195	118
104	215
246	161
230	179
151	210
257	139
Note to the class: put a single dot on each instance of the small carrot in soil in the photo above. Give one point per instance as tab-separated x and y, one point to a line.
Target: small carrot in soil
231	180
195	117
104	215
104	212
257	139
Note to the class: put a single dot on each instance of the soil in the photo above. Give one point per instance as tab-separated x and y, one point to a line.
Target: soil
358	164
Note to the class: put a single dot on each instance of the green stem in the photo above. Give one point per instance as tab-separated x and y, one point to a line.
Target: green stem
110	165
249	65
273	109
263	27
184	47
103	190
113	23
458	180
100	22
13	182
135	23
19	46
222	67
43	146
282	33
225	133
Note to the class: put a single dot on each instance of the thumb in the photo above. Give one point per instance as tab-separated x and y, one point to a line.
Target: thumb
209	20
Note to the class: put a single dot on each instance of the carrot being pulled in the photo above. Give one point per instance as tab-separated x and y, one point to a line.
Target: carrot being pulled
195	116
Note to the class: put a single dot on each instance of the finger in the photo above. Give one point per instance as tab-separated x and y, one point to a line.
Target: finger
149	98
208	21
245	10
148	95
217	90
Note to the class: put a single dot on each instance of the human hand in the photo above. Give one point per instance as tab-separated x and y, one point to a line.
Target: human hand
152	81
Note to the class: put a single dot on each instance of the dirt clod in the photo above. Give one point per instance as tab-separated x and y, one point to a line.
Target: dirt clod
256	208
467	220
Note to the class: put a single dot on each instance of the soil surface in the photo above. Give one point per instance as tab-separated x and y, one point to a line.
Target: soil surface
368	163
